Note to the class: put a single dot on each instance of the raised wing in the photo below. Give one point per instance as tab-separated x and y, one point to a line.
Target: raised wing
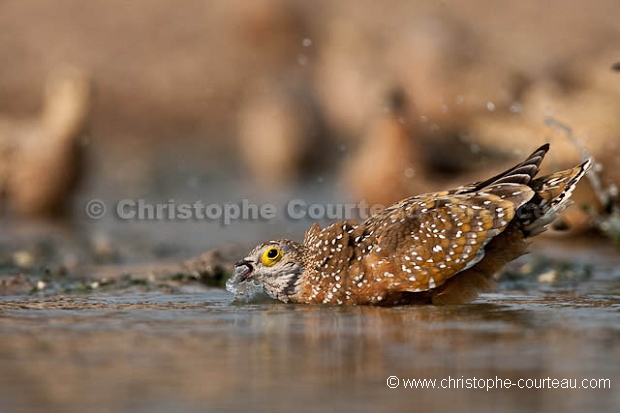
426	240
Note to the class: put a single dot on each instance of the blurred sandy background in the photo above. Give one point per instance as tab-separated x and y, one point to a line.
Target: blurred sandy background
374	100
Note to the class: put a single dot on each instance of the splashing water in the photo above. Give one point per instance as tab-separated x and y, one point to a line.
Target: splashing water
246	291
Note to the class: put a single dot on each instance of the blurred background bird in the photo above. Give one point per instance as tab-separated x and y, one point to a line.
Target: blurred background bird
388	163
281	137
41	157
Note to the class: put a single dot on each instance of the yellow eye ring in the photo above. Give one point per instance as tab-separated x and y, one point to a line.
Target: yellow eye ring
271	256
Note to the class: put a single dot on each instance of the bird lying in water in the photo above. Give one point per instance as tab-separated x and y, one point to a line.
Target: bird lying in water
440	248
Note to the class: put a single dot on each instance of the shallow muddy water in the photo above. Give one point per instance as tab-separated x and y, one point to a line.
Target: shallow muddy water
157	341
154	352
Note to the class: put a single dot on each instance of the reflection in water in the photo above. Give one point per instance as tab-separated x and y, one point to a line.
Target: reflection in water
155	352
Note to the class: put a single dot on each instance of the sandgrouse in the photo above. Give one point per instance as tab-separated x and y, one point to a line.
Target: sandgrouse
41	158
440	248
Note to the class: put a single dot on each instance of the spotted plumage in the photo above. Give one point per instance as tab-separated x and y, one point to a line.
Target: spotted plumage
441	247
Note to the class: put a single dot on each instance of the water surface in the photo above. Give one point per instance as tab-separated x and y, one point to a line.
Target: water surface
200	352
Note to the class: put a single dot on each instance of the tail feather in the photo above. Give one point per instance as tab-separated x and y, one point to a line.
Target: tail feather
552	197
522	173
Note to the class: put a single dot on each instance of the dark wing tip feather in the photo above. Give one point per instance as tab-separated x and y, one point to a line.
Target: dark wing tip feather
522	173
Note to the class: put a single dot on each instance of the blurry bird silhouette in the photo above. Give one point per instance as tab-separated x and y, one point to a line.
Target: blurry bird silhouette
280	135
388	164
40	158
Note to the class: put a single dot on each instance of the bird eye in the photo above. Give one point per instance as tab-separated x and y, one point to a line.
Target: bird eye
271	256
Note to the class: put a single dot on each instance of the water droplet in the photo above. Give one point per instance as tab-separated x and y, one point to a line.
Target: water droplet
409	173
423	119
306	42
516	107
302	59
459	99
491	106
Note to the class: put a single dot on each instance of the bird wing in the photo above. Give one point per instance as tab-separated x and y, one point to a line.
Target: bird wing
423	241
419	243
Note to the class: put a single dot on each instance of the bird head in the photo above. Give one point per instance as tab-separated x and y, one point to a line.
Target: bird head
272	268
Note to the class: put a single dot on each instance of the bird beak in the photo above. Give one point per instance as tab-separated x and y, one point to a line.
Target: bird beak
243	269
